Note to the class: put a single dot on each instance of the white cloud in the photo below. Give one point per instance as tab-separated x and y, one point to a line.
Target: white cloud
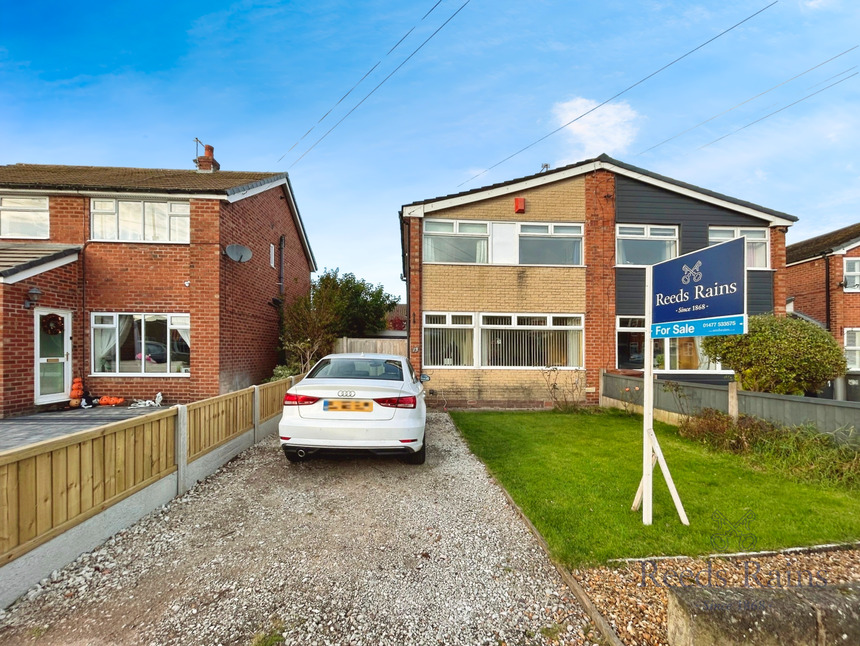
610	129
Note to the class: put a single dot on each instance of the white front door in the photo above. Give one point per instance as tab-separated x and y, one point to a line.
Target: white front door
53	344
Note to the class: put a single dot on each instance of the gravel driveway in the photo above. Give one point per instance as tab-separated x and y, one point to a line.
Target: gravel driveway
332	551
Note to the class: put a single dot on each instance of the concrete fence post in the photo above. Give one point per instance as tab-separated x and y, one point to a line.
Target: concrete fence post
257	437
733	400
600	388
181	450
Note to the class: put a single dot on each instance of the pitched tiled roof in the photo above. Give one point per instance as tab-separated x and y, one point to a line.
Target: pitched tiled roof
826	243
146	180
16	257
632	171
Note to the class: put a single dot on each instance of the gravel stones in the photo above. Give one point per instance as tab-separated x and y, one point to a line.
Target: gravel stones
330	551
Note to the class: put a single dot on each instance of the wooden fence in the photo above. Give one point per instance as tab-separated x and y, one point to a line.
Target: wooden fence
382	346
49	487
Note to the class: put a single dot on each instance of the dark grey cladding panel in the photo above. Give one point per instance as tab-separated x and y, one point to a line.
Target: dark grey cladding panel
759	292
640	203
629	292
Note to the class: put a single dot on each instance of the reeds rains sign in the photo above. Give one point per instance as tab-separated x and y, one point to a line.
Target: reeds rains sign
701	293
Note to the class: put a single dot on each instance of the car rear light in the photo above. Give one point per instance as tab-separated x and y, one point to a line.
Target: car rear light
284	438
408	441
291	399
397	402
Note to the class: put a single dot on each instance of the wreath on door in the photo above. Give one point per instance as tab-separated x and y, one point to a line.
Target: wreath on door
53	324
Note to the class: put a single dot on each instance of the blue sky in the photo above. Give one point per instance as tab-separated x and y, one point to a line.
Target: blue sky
126	84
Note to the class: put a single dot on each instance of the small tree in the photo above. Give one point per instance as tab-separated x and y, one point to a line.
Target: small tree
787	356
336	306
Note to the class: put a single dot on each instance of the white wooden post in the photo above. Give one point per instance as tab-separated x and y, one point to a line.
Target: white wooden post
647	405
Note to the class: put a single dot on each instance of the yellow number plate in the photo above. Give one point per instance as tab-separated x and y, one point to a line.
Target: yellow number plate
358	405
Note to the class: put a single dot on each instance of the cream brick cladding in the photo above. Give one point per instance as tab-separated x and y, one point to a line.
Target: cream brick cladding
562	201
496	387
493	288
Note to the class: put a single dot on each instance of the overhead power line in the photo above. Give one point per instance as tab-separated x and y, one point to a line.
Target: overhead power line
368	73
752	123
382	82
612	98
760	94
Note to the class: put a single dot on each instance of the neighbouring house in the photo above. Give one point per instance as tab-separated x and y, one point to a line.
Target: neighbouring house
126	278
548	270
823	278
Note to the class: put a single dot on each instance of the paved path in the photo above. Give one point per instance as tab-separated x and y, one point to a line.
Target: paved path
28	429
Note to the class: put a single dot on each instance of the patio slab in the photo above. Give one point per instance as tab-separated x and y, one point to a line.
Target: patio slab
16	432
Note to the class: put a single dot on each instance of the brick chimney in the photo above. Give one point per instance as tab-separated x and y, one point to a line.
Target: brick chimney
206	163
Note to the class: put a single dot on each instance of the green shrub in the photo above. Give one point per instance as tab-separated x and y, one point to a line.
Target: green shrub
787	356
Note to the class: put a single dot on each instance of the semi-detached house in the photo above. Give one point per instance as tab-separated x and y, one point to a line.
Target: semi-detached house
119	276
548	271
823	277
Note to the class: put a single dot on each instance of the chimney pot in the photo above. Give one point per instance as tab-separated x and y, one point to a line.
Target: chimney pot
208	151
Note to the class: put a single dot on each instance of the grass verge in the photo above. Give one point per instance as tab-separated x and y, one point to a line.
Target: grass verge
575	474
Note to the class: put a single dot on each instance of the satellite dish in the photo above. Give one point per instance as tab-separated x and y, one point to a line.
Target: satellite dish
238	252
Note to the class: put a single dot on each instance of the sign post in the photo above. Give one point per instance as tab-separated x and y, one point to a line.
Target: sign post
698	294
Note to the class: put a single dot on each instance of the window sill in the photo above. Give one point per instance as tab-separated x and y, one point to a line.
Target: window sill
139	375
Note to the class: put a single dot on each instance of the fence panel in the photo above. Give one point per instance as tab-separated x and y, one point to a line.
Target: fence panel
272	396
49	487
378	346
215	421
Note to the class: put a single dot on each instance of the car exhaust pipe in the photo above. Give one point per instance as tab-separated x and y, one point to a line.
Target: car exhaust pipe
300	453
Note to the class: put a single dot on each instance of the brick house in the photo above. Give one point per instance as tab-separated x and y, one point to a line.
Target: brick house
119	276
823	278
548	270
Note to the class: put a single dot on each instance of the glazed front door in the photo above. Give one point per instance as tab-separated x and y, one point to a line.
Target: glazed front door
53	344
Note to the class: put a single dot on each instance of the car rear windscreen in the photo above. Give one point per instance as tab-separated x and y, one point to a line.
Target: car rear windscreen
390	369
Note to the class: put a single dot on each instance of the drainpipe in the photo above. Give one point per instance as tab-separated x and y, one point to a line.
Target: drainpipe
826	257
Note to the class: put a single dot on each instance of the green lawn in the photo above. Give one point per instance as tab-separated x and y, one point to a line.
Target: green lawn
575	476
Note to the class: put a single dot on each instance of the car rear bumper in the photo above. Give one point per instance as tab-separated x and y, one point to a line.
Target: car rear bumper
405	437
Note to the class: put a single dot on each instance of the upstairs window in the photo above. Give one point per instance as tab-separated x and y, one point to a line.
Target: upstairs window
456	242
852	275
757	243
852	348
24	217
550	244
133	220
641	245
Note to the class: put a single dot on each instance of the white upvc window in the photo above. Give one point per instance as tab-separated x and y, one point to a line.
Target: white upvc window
681	354
852	348
531	340
24	217
140	220
141	344
449	339
455	241
550	244
645	244
851	275
758	248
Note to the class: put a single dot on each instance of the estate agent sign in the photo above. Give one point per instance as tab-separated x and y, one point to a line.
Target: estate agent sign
698	294
701	293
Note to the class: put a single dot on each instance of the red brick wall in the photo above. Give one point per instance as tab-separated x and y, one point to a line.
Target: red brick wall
600	276
806	283
249	323
777	261
414	322
17	352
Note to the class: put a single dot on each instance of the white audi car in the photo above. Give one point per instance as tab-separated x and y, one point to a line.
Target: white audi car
356	402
